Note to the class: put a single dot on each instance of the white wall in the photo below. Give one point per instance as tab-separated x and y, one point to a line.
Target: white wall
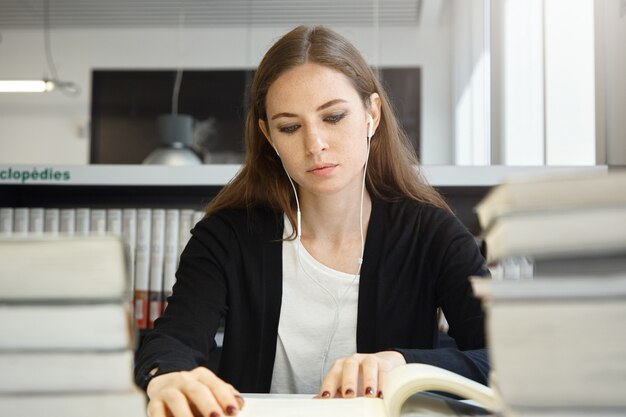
52	128
610	18
544	82
517	79
569	82
471	52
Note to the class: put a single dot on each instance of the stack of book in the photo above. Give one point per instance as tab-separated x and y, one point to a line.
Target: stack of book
66	334
557	306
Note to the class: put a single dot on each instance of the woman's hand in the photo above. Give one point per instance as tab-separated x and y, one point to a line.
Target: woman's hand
198	392
359	374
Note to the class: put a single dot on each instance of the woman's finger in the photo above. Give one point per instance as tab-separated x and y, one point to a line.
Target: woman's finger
176	403
369	372
226	398
201	397
223	394
350	376
156	408
332	381
381	383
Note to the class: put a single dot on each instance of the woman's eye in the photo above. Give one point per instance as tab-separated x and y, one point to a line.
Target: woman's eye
335	118
289	129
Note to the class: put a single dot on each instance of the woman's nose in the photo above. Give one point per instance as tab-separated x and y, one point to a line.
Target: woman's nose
314	140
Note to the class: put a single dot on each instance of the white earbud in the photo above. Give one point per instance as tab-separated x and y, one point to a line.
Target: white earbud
370	129
276	150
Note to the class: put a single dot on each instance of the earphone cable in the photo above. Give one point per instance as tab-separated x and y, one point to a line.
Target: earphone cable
339	301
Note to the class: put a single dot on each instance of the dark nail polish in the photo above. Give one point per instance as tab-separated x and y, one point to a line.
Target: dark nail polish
231	410
325	394
369	391
214	414
240	400
380	394
349	392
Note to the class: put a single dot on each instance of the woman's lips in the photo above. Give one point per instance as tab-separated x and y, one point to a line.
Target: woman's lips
322	170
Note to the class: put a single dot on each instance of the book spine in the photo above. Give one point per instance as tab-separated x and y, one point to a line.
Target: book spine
35	221
142	267
20	221
170	259
51	221
114	221
186	217
6	221
129	237
157	255
98	222
82	221
67	225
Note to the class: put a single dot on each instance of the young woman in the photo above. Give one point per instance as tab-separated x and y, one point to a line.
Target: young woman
327	255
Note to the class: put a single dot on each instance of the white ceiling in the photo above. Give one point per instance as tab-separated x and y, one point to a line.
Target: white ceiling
164	13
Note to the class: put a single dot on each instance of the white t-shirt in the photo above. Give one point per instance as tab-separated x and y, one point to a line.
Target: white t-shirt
318	313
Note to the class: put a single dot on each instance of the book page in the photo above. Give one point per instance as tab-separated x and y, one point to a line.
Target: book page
271	406
406	380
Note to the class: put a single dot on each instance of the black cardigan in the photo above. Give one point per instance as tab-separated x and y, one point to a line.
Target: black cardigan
416	258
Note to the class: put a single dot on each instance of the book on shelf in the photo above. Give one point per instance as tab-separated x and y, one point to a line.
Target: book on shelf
185	226
51	220
48	267
400	384
20	221
131	403
35	221
557	343
98	221
142	267
157	253
170	256
6	221
67	221
129	237
114	221
83	221
100	326
578	191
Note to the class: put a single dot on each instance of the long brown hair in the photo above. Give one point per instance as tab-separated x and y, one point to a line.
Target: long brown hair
392	173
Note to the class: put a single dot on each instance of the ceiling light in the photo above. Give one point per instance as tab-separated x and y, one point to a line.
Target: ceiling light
26	86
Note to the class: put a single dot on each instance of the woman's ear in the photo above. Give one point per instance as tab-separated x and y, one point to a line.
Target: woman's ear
265	130
266	133
375	109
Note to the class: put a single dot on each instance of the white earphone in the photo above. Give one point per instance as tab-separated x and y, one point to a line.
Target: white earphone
370	129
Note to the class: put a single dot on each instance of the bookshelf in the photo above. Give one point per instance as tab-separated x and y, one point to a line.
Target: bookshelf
100	186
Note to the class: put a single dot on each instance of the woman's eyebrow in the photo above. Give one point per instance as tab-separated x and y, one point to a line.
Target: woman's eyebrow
331	103
322	107
283	114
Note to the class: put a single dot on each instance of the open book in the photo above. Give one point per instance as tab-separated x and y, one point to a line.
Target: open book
400	384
